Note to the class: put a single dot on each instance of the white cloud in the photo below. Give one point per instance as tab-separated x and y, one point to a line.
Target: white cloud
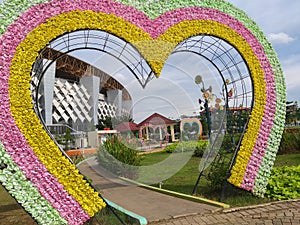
280	38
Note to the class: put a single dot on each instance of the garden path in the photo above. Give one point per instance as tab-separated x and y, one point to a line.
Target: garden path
149	204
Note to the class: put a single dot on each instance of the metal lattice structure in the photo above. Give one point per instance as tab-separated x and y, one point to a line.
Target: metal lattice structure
93	40
234	76
228	62
35	166
233	73
237	91
225	58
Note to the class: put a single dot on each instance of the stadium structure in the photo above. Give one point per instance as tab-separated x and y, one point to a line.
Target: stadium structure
76	94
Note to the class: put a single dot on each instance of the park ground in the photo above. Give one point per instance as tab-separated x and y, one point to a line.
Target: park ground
279	212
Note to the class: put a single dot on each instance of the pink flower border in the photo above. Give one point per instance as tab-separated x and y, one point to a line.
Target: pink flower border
14	140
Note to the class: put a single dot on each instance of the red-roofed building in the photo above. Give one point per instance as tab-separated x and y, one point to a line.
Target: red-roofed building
156	119
156	127
128	128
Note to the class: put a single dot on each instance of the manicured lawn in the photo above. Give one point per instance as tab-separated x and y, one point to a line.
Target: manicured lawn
185	179
12	213
287	160
153	158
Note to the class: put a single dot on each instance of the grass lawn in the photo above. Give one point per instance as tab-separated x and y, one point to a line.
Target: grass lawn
287	160
11	213
185	179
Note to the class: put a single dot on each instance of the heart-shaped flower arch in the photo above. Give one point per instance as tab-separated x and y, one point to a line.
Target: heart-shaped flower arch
34	170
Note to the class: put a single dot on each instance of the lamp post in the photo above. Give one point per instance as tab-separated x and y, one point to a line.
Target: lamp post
206	94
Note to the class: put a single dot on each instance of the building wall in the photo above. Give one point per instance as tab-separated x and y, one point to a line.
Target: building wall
92	83
78	104
46	91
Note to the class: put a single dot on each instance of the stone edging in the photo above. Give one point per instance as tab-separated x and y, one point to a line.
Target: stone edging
257	206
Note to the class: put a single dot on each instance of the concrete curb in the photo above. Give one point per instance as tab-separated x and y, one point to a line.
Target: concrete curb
141	219
236	209
189	197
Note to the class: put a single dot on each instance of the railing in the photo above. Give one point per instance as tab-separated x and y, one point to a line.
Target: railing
61	129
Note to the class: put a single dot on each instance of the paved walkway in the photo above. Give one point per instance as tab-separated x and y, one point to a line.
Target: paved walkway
160	209
149	204
277	213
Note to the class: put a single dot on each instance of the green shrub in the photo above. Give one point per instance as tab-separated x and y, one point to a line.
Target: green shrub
284	183
218	171
171	148
230	142
290	143
292	129
77	158
67	140
118	158
198	147
186	146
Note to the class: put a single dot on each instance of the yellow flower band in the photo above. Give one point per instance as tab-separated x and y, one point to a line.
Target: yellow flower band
46	150
186	29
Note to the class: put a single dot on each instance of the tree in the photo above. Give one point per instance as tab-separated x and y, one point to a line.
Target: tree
104	123
111	122
203	120
120	119
292	112
67	140
236	120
